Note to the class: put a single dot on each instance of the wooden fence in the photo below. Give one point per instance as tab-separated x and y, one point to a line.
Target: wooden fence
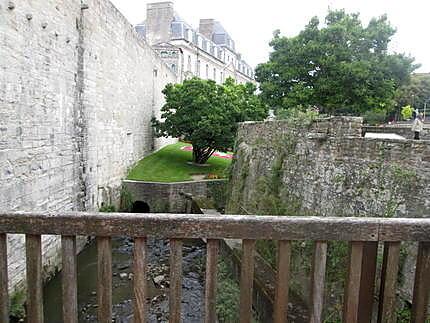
362	233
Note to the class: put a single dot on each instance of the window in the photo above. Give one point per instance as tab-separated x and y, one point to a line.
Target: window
221	77
198	68
174	67
214	75
189	63
207	71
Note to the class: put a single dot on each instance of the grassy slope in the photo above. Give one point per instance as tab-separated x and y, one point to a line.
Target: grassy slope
169	164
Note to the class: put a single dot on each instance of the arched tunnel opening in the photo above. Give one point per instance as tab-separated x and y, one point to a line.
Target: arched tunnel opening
140	207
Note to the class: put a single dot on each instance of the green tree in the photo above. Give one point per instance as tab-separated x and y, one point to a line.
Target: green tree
406	112
207	113
341	67
415	93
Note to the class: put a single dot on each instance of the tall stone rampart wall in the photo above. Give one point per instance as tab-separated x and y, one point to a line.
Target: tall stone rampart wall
77	91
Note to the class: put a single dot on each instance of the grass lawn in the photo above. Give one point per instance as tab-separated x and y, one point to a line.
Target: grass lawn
169	164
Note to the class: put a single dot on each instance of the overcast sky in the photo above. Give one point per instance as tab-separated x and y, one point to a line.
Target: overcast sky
251	23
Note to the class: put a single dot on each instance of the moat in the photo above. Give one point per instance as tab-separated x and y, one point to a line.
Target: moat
194	253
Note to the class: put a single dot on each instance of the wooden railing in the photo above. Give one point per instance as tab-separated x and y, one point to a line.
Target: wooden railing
362	233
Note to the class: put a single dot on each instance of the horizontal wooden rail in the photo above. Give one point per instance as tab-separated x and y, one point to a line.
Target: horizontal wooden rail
216	227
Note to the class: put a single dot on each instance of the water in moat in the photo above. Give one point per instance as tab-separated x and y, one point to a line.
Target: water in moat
158	281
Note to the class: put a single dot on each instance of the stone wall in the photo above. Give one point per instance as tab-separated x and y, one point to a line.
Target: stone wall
169	197
77	91
326	168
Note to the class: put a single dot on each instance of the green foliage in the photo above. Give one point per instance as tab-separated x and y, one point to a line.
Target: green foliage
414	93
228	292
206	114
17	301
268	250
171	164
298	115
107	208
406	112
126	200
341	67
375	117
404	313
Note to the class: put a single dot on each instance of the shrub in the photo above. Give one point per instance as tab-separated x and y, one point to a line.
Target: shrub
375	117
406	112
107	208
17	300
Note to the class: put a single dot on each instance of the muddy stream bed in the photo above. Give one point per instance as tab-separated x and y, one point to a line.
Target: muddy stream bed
194	253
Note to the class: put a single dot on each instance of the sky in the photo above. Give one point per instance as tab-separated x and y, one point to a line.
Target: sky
251	23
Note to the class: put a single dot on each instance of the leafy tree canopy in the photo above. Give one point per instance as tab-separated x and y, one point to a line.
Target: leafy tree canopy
416	92
207	113
340	67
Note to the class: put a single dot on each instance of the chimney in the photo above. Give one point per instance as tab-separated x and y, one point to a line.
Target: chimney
206	27
159	18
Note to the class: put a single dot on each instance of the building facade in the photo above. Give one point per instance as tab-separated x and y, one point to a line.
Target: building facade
208	53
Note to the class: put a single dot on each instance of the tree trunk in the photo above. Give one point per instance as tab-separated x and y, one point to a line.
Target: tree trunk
201	155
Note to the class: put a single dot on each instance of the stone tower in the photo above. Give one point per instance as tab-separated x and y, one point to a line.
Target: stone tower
159	17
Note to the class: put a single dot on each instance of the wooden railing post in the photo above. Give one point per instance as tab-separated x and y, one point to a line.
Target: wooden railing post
360	282
175	294
69	279
4	295
352	286
367	284
34	278
139	280
246	280
104	279
280	310
318	281
387	293
212	250
422	284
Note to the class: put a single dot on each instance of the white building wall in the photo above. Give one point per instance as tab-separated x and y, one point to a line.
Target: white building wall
199	59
